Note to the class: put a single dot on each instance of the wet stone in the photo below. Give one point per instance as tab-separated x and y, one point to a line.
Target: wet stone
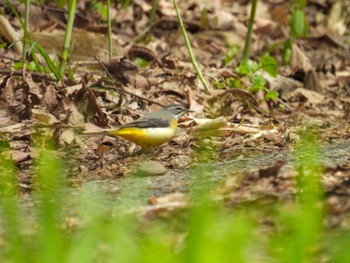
150	168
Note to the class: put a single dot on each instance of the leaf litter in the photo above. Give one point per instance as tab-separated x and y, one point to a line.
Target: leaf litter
229	125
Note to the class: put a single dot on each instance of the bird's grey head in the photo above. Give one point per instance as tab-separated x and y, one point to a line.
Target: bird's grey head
176	110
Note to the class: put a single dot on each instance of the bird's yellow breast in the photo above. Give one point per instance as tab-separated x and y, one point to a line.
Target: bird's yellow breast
147	137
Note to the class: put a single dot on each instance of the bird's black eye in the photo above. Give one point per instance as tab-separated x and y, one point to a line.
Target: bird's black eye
180	109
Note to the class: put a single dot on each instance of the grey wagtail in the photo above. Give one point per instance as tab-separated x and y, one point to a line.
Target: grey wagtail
151	130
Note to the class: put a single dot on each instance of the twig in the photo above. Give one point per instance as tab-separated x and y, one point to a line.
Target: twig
139	36
20	73
126	91
285	104
9	58
123	89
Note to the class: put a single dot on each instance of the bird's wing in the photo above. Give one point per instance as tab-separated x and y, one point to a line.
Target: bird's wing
146	123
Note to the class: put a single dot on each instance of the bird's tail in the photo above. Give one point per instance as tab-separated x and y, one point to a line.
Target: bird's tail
110	132
94	133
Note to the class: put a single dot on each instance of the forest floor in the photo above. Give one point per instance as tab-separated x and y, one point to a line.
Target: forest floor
244	145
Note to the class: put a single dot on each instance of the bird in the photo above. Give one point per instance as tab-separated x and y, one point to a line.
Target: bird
151	130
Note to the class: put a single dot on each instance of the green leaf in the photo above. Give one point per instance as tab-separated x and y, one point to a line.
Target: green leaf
30	66
247	69
271	95
142	63
231	53
287	51
298	24
269	64
254	66
18	65
204	18
233	83
219	84
53	68
243	69
258	84
300	4
60	3
101	8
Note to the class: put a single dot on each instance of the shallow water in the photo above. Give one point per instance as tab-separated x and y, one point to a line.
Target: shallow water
130	192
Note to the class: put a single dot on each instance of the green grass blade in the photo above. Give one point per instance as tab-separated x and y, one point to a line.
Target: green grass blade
49	193
301	225
26	34
189	48
10	212
110	47
53	68
71	17
248	39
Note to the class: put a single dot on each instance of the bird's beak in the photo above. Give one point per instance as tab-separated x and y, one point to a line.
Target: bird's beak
178	116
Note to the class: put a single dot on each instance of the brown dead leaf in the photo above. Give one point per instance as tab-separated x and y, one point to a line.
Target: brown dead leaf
16	98
262	10
242	95
141	82
12	127
19	156
226	188
278	139
272	171
270	28
10	34
50	100
314	81
122	69
280	14
70	113
208	127
174	197
225	20
309	96
170	61
67	137
5	118
38	18
165	204
282	84
86	103
35	94
141	52
299	61
87	44
171	23
336	20
8	92
43	116
255	131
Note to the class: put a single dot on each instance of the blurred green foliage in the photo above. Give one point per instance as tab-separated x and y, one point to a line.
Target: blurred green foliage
75	225
298	27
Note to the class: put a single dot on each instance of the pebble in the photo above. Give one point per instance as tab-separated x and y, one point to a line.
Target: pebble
150	168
